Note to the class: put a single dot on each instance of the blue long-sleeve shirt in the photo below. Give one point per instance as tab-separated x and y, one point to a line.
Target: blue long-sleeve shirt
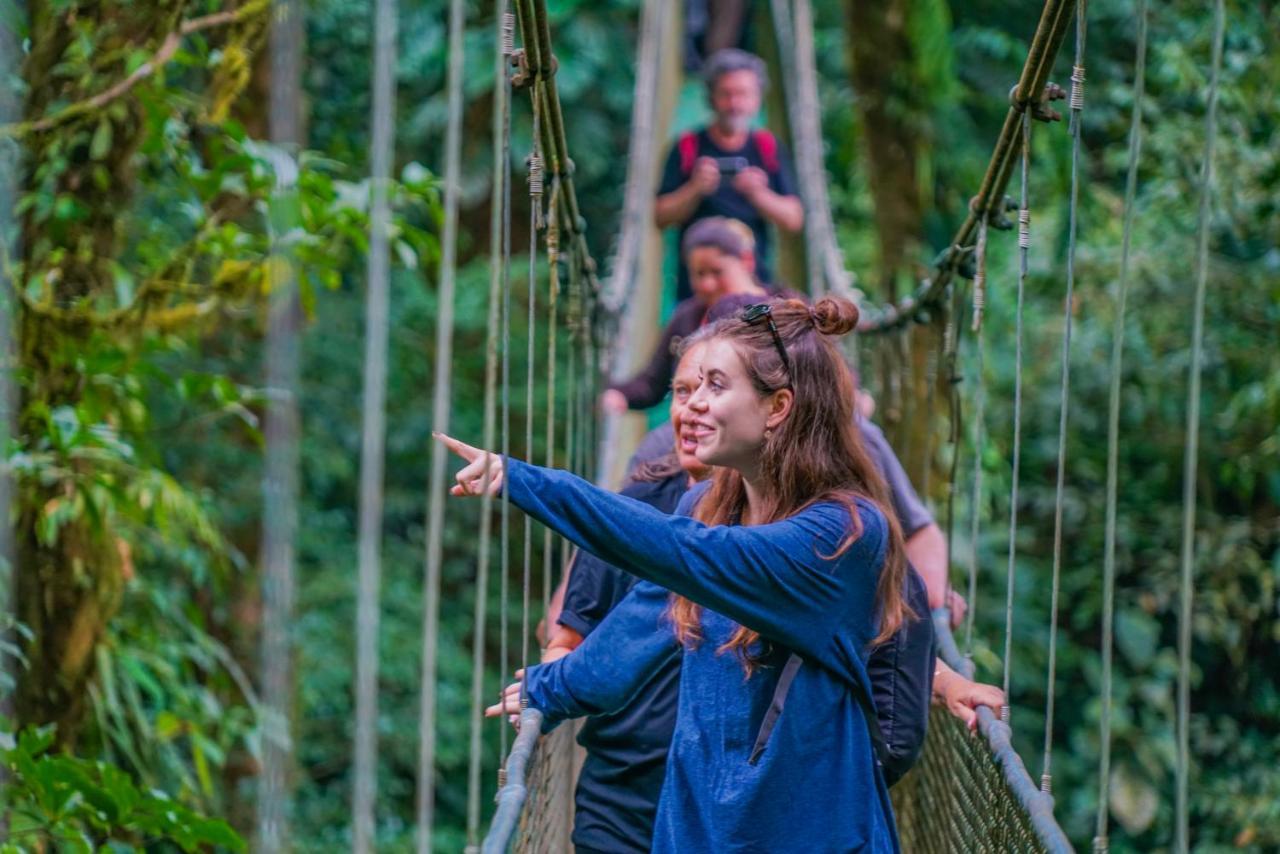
816	787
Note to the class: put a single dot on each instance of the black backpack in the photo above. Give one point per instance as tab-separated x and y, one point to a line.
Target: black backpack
901	673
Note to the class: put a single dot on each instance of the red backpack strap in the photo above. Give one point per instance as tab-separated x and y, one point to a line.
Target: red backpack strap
767	145
688	147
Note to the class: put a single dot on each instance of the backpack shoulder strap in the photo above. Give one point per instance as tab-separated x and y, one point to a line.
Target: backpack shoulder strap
767	145
779	700
688	148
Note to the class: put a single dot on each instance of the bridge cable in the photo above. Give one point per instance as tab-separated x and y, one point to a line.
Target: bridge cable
535	223
281	429
1190	457
1024	246
1101	843
373	430
504	510
553	308
501	154
440	416
1064	394
979	430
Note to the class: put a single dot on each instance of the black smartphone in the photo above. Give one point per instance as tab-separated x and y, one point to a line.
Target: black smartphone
731	165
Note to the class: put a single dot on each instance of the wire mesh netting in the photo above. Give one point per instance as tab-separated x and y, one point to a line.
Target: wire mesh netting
956	799
547	820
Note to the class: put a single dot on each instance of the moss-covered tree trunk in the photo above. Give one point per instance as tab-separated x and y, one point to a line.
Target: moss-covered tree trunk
79	180
894	122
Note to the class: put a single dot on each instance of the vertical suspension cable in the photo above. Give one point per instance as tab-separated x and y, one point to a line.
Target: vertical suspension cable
979	429
501	107
1191	454
1101	843
553	333
504	536
535	223
373	429
280	480
1024	246
440	416
954	333
1064	393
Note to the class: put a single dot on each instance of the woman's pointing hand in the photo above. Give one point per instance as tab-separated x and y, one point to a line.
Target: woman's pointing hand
483	472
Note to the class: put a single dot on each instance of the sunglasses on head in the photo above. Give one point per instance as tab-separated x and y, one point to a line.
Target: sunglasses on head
753	314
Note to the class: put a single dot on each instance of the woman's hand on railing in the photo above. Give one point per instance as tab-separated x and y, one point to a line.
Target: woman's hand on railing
509	705
483	468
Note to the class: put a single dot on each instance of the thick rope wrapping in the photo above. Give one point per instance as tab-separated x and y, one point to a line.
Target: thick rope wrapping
280	481
1191	453
1024	246
501	154
1101	843
373	430
1064	393
794	29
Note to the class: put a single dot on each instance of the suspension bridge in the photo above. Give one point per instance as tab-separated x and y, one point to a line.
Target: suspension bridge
966	794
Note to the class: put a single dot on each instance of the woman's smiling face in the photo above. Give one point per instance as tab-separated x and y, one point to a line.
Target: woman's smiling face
726	415
683	385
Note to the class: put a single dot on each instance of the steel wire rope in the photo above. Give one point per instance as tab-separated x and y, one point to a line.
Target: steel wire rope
1191	452
979	430
281	428
440	417
373	430
504	432
1101	843
535	223
553	308
1064	392
501	107
1024	246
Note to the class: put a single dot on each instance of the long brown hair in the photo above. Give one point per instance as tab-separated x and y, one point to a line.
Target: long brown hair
815	454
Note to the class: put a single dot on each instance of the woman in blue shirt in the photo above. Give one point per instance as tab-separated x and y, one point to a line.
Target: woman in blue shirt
788	551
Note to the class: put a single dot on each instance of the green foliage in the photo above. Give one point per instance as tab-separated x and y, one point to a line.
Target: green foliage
77	805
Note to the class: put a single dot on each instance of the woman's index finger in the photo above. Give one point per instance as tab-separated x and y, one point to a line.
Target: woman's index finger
462	449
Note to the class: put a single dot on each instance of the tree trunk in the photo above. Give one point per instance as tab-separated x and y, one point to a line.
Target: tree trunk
894	130
68	581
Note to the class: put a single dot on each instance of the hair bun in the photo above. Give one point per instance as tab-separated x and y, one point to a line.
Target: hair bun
834	315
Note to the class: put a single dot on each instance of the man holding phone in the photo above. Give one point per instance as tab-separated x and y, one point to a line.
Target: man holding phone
727	169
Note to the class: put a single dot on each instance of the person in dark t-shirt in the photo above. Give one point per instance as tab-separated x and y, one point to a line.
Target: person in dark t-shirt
727	169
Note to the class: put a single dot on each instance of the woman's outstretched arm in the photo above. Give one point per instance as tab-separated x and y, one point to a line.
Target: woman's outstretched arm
770	578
